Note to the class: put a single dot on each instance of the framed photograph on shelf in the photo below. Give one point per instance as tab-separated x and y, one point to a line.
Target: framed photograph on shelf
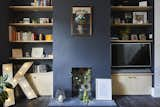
134	37
37	52
81	23
17	53
142	37
139	17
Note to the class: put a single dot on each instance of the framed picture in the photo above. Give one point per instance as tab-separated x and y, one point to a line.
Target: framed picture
17	53
37	52
139	17
103	89
134	37
142	36
81	23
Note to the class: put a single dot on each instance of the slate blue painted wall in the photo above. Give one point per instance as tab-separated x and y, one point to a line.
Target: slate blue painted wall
71	51
4	44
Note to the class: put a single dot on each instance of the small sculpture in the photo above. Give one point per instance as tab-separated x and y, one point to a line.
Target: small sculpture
60	95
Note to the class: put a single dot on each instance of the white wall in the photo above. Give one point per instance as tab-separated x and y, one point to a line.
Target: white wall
157	48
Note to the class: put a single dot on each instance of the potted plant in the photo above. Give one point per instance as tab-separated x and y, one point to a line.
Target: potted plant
3	85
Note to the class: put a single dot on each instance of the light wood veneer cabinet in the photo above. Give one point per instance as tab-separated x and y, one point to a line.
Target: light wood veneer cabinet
132	83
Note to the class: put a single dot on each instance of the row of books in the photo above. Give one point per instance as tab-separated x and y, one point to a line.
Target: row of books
26	36
43	2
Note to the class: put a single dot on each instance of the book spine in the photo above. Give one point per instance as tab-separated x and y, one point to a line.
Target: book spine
10	33
35	2
44	2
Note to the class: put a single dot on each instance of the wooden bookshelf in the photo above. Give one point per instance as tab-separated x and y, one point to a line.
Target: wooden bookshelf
131	41
31	8
131	24
130	8
31	58
34	41
32	24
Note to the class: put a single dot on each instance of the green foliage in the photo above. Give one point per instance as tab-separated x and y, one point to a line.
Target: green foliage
3	86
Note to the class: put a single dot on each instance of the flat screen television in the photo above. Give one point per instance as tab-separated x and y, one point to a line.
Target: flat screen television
131	55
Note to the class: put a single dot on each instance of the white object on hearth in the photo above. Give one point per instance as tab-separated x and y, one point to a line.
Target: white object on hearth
7	69
143	4
103	89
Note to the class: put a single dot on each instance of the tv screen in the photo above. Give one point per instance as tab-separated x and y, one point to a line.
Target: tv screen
131	55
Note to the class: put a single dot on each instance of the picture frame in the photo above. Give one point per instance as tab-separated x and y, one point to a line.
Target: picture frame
17	53
103	89
37	52
139	17
142	37
81	22
134	37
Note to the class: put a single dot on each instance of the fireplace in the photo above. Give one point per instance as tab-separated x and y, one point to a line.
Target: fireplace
81	82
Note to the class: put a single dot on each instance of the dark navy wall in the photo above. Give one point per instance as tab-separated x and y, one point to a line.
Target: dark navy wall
71	51
4	44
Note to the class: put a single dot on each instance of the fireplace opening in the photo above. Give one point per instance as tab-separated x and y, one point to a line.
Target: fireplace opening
81	82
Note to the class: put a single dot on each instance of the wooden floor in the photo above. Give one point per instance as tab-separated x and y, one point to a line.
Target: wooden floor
122	101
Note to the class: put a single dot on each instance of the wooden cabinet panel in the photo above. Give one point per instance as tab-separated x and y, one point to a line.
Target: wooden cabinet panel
132	84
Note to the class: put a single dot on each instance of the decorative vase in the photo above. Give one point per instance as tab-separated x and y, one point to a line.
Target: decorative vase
80	29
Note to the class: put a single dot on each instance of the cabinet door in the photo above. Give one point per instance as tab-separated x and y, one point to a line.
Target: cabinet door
142	85
131	85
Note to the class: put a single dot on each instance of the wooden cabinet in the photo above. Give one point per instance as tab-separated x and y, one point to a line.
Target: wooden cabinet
132	83
42	83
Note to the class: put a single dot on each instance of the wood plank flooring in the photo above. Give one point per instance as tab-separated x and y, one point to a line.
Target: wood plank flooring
122	101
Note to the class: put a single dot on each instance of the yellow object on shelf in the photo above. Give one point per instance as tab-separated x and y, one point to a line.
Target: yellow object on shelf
48	37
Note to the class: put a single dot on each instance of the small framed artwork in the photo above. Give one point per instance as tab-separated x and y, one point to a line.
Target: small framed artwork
81	23
17	53
139	17
142	36
37	52
103	89
134	37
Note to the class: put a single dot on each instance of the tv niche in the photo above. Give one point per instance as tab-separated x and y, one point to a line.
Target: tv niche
131	55
81	83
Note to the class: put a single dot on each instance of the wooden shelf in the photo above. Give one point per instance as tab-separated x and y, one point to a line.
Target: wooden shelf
131	41
32	24
130	8
35	41
31	58
131	24
31	8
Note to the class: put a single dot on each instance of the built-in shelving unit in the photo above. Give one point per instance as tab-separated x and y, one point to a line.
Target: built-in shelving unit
35	41
130	8
132	25
132	41
35	33
31	8
32	24
31	58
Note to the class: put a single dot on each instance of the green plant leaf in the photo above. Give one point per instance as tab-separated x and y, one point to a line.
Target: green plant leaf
5	78
8	85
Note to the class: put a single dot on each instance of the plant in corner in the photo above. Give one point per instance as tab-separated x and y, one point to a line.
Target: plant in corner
3	85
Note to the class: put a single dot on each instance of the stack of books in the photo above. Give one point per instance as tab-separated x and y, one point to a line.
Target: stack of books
43	2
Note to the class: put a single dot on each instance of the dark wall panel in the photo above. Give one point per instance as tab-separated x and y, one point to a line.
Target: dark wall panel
71	51
4	44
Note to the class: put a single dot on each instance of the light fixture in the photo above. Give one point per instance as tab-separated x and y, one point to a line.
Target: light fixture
8	70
